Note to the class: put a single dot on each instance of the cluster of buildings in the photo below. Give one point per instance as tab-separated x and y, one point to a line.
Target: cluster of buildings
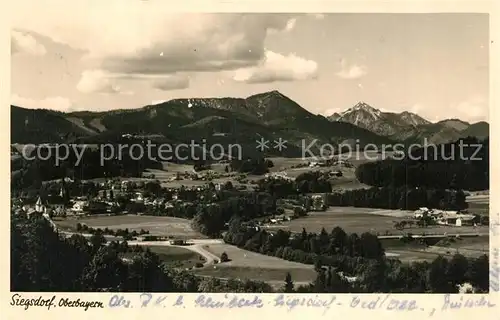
279	175
111	197
443	217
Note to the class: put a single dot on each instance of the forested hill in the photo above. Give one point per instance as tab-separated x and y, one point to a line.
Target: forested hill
463	164
268	115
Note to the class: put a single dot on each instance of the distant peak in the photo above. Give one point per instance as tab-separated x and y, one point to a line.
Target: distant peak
273	93
363	105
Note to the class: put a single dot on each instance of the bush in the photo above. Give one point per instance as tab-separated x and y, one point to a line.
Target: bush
198	265
224	257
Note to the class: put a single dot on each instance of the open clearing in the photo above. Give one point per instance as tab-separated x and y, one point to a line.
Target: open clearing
175	257
250	265
467	246
244	258
165	226
258	273
359	220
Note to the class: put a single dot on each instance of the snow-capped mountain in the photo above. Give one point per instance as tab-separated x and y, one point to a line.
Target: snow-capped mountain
383	123
404	126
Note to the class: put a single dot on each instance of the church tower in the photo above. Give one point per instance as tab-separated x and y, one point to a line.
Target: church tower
39	206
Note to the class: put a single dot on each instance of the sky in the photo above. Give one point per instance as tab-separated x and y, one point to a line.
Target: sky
103	56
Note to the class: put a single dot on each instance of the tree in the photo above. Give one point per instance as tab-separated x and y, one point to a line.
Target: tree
288	288
457	269
320	282
105	271
97	241
224	257
338	240
228	185
436	276
370	246
478	273
318	265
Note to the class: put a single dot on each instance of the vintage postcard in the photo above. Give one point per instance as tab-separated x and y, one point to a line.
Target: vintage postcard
298	159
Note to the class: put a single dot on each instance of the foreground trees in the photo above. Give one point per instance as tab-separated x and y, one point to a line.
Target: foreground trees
41	260
337	257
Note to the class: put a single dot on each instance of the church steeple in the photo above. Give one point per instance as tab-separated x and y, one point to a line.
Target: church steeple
39	206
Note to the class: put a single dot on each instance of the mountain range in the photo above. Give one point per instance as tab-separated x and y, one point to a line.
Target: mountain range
409	127
269	115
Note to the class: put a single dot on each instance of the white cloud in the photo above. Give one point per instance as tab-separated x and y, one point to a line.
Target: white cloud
96	81
353	71
290	24
54	103
171	82
417	107
25	43
473	109
129	39
277	67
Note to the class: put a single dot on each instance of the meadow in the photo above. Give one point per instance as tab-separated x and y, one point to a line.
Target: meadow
164	226
175	257
245	264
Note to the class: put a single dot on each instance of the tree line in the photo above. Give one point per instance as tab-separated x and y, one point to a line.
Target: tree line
45	166
337	253
403	197
463	164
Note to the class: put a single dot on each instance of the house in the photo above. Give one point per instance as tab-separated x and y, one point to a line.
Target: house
455	219
219	134
178	242
313	164
78	207
40	206
139	198
125	185
318	202
421	212
465	220
336	173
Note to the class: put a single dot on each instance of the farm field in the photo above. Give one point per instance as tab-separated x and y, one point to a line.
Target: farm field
359	220
250	265
166	226
244	258
467	246
301	276
175	257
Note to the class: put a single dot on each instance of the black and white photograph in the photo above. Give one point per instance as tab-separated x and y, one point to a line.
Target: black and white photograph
234	152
